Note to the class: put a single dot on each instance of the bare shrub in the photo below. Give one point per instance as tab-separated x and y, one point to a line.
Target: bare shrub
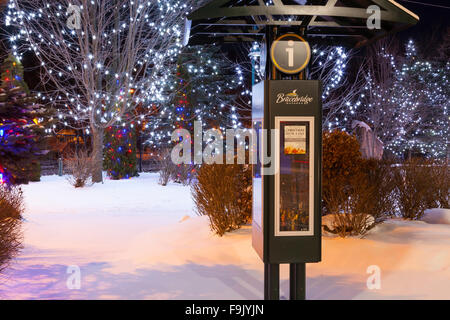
357	193
168	171
440	177
11	209
81	166
350	224
381	186
166	167
184	174
224	194
414	188
354	209
11	202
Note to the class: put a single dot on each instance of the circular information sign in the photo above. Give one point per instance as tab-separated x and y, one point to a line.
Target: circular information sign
290	53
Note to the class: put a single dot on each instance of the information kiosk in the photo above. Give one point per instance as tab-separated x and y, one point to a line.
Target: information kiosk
287	193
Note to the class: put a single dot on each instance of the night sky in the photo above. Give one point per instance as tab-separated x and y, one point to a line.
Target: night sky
432	19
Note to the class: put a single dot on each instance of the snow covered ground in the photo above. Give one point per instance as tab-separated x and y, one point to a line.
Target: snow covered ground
135	239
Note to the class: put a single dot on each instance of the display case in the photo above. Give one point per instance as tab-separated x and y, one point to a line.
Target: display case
287	201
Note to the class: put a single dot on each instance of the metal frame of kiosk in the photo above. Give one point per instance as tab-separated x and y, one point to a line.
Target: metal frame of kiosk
287	203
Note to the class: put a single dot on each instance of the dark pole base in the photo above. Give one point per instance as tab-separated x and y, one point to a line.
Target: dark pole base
271	281
297	281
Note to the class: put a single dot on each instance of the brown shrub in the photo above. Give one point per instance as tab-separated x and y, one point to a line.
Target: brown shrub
357	192
414	188
184	174
341	161
354	209
440	178
224	194
168	171
166	167
350	224
381	185
11	202
80	166
11	208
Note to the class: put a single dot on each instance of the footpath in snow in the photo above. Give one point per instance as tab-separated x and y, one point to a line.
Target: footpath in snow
134	239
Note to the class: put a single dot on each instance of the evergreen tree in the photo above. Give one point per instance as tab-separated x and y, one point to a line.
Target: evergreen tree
120	153
20	128
18	149
12	74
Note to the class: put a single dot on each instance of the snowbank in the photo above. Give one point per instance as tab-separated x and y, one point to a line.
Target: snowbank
437	216
134	239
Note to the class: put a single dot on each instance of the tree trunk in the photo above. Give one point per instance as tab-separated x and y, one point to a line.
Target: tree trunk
97	155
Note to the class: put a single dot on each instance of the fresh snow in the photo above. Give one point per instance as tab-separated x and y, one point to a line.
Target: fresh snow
135	239
437	216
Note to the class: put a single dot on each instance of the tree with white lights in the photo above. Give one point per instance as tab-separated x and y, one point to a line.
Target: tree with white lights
99	59
406	101
341	92
204	86
430	81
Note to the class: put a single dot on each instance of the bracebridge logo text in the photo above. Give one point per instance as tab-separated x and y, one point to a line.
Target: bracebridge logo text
293	98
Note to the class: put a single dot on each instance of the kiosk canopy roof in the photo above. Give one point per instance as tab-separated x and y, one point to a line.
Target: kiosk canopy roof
337	21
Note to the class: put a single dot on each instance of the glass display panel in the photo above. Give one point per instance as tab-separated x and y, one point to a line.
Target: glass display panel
294	182
257	182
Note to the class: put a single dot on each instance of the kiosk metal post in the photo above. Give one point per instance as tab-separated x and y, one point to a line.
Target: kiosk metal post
287	201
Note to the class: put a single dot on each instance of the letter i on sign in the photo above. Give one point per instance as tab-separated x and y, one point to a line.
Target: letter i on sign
290	52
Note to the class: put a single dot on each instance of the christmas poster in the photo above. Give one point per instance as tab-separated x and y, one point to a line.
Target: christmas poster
295	140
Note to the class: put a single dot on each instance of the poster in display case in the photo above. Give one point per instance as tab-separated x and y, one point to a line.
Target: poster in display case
294	181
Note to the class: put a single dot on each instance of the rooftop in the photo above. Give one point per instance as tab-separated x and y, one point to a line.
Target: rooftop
337	21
